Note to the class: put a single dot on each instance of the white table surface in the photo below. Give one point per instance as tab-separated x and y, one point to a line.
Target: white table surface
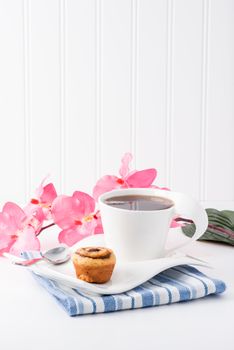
31	319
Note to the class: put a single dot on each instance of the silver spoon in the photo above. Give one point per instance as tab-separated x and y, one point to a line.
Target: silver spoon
55	256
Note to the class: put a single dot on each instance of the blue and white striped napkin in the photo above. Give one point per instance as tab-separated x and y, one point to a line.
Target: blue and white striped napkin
181	283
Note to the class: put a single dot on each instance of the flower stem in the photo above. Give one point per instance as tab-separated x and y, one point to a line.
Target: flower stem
183	219
45	227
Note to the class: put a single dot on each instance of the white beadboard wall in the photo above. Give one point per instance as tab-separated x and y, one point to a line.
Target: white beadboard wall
83	81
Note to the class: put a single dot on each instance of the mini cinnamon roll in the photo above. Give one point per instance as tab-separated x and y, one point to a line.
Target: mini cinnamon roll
94	264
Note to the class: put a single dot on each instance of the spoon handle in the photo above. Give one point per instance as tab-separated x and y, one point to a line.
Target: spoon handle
27	262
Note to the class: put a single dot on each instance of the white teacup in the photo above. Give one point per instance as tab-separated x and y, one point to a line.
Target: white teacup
137	235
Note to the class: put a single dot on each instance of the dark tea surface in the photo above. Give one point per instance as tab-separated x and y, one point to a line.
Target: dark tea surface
139	202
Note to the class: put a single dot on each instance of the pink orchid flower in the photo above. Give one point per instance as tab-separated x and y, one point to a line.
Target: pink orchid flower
76	217
41	204
127	179
17	231
98	228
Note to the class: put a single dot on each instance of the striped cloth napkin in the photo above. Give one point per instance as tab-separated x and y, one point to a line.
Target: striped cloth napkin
181	283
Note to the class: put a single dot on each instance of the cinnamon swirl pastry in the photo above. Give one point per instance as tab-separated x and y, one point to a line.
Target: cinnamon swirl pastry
94	264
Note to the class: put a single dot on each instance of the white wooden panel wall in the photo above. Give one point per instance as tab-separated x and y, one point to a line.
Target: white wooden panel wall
83	81
13	140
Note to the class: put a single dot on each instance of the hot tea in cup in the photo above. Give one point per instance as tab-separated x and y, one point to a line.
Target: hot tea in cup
139	202
136	221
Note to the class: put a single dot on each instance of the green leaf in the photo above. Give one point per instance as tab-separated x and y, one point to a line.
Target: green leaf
220	228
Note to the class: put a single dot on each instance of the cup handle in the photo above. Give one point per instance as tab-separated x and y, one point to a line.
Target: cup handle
189	208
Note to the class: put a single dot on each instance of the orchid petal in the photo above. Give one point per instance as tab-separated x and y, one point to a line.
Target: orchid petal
5	241
99	227
32	210
85	201
7	248
48	194
39	214
105	184
26	241
7	225
11	218
175	224
70	236
34	223
97	217
16	214
65	211
124	169
39	190
88	228
142	178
